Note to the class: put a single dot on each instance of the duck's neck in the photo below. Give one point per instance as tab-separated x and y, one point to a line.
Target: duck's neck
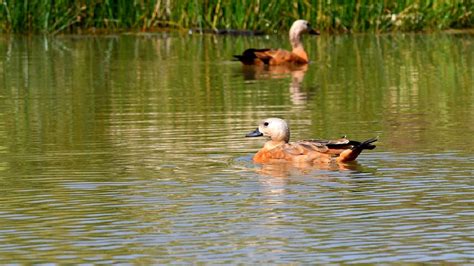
297	45
271	144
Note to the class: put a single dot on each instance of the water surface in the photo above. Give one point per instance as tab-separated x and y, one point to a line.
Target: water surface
130	149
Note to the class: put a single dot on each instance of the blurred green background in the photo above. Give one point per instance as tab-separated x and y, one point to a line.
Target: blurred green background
45	16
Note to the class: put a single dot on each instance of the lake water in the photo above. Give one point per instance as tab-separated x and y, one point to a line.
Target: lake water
130	149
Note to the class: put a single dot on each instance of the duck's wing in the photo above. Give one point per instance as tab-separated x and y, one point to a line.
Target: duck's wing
305	152
305	147
330	142
336	146
250	56
315	150
344	143
295	152
289	151
280	57
269	57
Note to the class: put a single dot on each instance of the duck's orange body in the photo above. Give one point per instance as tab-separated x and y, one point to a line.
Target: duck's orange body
316	151
273	57
308	151
297	55
290	152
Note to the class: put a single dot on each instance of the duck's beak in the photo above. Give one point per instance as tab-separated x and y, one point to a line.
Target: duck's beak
313	32
255	133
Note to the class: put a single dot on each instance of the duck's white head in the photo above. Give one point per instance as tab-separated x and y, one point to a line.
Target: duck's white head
299	27
274	128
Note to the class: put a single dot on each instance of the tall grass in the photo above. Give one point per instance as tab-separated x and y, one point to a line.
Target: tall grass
268	15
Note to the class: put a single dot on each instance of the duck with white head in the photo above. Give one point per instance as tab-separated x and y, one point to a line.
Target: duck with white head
278	148
266	56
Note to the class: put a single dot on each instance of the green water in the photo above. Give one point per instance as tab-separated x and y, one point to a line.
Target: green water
131	149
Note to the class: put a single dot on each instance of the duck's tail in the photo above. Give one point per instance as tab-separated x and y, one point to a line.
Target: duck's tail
352	153
366	145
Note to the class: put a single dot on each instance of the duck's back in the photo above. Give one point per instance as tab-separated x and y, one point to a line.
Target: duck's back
335	146
271	57
310	150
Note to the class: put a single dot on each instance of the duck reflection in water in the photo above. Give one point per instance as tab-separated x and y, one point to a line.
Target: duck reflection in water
279	63
296	72
287	169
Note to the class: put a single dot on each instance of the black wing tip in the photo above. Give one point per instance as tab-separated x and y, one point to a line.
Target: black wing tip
367	145
248	57
251	52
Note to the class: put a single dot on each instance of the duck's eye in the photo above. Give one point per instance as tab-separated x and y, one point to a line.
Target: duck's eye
265	124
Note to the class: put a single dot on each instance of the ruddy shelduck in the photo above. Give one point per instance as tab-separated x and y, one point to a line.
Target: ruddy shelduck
297	55
279	148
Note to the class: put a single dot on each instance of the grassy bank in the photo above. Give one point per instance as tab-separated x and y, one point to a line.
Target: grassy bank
46	16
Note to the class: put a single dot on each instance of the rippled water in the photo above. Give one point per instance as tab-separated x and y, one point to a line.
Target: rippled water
130	149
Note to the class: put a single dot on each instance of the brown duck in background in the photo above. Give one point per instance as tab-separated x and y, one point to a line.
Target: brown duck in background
279	149
297	56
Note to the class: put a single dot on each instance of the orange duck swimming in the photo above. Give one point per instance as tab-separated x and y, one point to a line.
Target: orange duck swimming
297	56
279	149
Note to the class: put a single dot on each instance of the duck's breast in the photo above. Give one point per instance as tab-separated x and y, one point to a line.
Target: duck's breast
266	156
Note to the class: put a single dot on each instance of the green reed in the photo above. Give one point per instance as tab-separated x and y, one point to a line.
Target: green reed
268	15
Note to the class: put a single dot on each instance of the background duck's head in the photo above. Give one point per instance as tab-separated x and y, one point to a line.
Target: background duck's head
299	27
274	128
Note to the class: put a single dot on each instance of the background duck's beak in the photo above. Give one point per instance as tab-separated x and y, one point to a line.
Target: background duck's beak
255	133
313	31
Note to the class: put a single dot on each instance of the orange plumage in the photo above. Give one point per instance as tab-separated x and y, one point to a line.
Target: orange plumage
278	148
297	55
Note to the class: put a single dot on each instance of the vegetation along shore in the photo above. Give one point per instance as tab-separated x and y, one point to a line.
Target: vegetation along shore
66	16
